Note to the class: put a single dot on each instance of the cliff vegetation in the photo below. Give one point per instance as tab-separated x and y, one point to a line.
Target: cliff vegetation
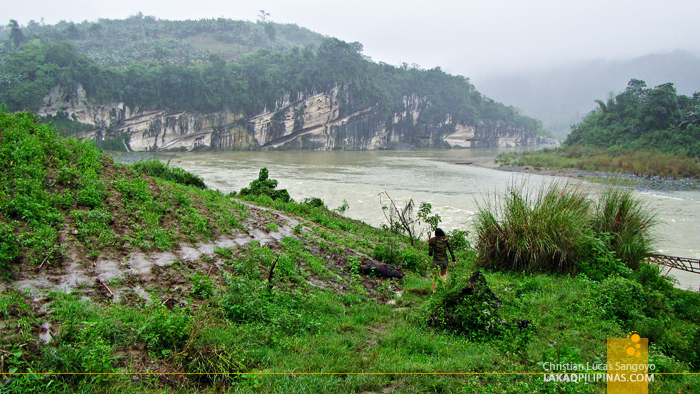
148	64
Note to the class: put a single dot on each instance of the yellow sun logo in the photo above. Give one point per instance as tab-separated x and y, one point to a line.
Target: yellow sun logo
632	347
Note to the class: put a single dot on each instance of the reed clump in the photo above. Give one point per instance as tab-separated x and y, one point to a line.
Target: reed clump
560	228
628	221
645	163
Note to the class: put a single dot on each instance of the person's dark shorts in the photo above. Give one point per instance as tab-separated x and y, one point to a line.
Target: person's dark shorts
440	263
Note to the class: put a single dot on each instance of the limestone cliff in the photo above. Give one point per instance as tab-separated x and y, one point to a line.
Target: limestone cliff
319	120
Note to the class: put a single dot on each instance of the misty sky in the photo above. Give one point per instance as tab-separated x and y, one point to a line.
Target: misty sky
472	38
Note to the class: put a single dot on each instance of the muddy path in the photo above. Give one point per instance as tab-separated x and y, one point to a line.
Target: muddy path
78	272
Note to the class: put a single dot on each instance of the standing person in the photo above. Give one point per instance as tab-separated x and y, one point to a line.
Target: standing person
438	247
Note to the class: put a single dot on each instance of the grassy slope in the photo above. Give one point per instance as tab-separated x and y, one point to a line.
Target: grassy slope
217	312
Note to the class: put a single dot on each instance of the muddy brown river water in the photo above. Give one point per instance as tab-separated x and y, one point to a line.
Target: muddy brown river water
454	190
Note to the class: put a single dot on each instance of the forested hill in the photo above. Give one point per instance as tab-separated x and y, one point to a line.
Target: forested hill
562	96
118	43
643	118
240	70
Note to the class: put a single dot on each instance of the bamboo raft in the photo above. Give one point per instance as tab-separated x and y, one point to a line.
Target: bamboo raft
675	262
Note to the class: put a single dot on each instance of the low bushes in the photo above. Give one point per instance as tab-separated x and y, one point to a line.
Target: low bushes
406	257
472	311
156	169
41	175
263	186
467	306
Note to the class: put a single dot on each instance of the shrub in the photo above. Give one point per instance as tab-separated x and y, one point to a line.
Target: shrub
681	342
35	159
250	302
202	286
165	331
136	189
98	357
649	276
471	311
344	207
314	202
251	258
458	240
9	245
597	260
265	187
407	257
686	305
154	168
414	260
91	224
622	299
388	253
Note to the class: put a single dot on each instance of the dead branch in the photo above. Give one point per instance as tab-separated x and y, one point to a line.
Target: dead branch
45	258
272	271
404	216
110	291
196	329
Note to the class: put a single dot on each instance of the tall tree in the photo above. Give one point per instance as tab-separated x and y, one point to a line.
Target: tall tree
16	34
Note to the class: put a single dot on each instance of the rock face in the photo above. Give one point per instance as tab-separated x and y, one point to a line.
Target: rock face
320	121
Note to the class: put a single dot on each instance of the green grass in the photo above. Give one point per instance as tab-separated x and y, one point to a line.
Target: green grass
49	184
156	169
317	313
629	223
300	328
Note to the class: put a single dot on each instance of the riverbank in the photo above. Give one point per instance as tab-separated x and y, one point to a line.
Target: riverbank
649	169
636	182
455	191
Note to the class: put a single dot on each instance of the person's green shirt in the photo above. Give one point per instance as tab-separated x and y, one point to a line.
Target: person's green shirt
438	247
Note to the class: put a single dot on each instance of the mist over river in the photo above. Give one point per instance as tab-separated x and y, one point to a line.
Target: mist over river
454	190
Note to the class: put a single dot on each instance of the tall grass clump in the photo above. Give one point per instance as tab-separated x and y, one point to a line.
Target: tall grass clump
527	230
559	228
628	221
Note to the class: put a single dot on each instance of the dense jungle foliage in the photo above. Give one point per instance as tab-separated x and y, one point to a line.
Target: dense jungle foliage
117	43
642	131
154	72
643	118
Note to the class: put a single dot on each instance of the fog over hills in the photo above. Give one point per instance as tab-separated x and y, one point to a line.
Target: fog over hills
560	97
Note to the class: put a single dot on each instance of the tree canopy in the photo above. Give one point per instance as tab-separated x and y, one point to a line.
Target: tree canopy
57	56
643	118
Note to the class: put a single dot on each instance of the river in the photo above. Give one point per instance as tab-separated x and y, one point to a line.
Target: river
454	190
